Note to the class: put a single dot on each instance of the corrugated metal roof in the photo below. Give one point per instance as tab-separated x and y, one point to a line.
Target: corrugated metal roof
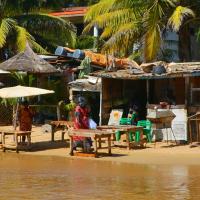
92	84
173	70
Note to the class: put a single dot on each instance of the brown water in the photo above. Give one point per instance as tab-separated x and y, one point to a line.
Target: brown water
48	178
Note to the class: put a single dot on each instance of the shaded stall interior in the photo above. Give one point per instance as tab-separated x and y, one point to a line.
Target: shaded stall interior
184	95
121	94
171	90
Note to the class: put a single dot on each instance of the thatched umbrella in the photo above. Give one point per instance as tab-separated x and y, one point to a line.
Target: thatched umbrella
29	62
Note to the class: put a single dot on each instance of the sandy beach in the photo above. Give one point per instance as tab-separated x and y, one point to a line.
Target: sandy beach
161	154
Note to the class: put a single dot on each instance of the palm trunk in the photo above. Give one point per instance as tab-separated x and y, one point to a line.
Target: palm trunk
1	55
185	44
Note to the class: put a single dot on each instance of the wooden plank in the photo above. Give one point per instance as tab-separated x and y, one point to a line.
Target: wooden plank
81	154
187	82
16	134
87	134
62	123
109	145
190	130
197	130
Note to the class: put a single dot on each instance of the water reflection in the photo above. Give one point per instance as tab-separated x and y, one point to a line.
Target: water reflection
29	177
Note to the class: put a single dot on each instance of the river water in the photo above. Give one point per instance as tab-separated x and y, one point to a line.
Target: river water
50	178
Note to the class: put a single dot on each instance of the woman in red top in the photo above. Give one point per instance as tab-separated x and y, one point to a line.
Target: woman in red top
25	118
82	122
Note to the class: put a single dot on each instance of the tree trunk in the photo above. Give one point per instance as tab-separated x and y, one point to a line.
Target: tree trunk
185	44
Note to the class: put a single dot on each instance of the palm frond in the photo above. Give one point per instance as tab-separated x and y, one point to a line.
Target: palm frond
117	17
108	32
22	38
122	39
178	17
152	42
11	7
100	8
198	35
7	24
113	18
37	47
48	26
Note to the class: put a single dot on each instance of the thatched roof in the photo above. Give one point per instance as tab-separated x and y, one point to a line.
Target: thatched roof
27	61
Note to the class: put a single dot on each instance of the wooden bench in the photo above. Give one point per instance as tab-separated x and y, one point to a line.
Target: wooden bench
64	126
124	129
16	135
95	135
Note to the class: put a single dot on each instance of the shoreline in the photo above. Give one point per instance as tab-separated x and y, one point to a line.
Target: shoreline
131	156
161	155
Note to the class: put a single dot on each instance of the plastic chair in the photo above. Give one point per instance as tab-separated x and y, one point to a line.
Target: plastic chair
147	130
126	121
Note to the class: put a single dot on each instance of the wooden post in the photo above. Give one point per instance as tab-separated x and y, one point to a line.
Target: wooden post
109	145
147	87
3	141
188	101
29	140
63	136
101	103
95	147
71	146
16	116
197	130
190	130
16	142
53	132
99	142
187	82
127	141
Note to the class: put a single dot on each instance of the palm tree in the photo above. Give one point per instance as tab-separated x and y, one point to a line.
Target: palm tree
21	23
187	29
127	22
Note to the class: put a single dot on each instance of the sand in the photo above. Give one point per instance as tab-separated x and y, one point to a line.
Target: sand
161	154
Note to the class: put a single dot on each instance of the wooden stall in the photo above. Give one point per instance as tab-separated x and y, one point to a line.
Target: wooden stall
182	79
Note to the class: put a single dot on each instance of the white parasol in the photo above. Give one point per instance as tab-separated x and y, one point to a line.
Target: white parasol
4	72
21	91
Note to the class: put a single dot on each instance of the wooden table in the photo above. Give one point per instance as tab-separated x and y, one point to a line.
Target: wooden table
123	128
95	135
60	125
16	134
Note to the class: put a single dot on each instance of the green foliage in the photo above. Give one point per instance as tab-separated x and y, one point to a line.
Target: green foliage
70	106
85	42
22	22
23	78
79	2
136	56
85	67
167	55
127	22
8	102
89	42
198	35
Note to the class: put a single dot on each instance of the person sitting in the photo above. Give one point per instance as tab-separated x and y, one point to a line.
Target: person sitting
25	118
81	121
